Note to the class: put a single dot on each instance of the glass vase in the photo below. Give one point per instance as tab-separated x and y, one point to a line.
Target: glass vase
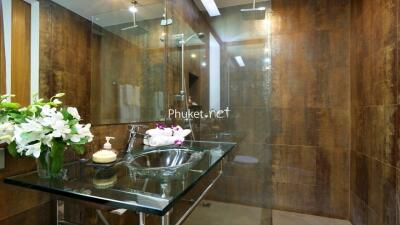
50	162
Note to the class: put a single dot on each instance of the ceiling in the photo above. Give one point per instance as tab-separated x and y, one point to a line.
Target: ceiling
89	8
112	12
226	3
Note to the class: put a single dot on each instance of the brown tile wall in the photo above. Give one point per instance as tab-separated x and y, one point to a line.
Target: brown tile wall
309	123
375	112
64	68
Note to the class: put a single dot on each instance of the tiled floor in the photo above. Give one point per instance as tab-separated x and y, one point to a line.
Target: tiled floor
289	218
218	213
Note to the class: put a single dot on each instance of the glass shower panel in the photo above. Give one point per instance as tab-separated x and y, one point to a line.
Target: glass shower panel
244	193
128	65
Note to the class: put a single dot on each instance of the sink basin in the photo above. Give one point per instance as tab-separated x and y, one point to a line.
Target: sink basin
164	162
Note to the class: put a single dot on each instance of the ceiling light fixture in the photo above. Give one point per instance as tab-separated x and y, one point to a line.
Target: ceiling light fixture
133	8
240	61
211	7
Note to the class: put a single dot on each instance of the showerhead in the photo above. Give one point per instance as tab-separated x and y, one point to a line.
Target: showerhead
180	37
134	28
198	35
254	13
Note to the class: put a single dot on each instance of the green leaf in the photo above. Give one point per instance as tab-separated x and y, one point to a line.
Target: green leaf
57	156
66	115
43	156
12	149
80	149
10	105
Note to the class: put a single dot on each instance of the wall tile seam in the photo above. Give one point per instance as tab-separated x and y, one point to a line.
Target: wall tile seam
397	169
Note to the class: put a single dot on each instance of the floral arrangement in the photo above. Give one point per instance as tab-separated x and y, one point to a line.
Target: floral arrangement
42	130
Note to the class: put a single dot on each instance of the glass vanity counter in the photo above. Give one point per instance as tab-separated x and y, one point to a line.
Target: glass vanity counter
124	185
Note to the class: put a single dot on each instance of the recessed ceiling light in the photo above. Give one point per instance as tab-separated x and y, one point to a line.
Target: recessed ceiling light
211	7
193	56
203	64
240	61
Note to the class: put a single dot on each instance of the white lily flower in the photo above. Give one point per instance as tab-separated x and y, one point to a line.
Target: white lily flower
30	126
33	150
46	140
59	95
85	131
48	111
74	112
61	129
6	133
24	135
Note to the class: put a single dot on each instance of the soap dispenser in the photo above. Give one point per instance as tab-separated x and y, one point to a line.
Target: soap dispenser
107	154
107	145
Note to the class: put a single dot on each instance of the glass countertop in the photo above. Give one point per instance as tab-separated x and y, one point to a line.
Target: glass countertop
124	186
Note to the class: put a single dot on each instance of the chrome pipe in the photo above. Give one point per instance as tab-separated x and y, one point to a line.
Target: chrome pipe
198	200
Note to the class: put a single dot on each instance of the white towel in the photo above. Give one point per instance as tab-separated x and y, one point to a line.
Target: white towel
161	140
166	136
129	101
182	133
158	131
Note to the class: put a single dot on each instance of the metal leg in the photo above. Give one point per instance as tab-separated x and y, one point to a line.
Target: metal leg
142	219
60	211
102	217
165	220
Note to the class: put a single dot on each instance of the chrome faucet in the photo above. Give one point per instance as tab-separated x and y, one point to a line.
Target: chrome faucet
133	132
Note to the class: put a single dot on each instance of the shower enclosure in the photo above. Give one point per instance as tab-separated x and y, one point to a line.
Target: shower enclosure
283	76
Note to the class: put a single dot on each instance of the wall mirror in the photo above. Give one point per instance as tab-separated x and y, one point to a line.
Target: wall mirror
111	49
128	78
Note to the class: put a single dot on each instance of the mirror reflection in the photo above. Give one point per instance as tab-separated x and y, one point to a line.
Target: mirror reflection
128	70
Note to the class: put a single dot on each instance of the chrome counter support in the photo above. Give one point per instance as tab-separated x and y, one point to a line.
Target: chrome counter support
165	220
198	200
142	219
102	217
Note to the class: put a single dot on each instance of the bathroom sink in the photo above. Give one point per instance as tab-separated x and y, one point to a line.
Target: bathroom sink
164	162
